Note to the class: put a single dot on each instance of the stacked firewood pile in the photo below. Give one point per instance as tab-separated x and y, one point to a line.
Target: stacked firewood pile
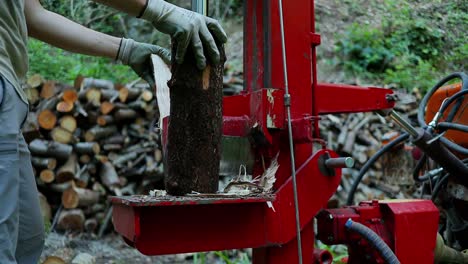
88	142
360	136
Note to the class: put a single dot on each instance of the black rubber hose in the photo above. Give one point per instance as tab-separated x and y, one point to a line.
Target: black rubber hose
425	100
418	168
451	99
403	137
374	240
454	146
452	126
438	186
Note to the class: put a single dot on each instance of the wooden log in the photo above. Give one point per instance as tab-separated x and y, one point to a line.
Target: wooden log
71	220
60	187
108	175
106	107
47	119
82	178
46	211
128	94
76	197
82	83
64	107
32	94
54	260
53	149
35	81
109	95
97	133
147	95
44	163
31	128
91	225
68	170
91	148
195	128
70	96
122	115
48	90
105	120
62	135
112	147
93	96
47	176
115	139
85	159
68	123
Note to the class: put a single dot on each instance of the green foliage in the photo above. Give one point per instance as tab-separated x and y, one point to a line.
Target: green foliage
414	45
56	64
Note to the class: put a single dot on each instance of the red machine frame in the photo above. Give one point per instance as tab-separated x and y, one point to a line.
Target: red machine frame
181	224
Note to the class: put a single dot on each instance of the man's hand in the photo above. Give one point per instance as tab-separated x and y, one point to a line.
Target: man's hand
187	28
138	57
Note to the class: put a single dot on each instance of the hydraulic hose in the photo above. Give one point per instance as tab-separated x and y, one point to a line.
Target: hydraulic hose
403	137
452	126
374	240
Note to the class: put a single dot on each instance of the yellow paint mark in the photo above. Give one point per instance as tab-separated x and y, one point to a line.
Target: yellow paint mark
206	77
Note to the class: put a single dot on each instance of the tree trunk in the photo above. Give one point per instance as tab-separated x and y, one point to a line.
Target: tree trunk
195	127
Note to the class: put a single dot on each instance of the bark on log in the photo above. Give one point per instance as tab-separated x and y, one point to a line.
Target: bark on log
44	163
91	148
109	176
105	120
71	220
76	197
31	128
97	133
195	128
68	170
46	148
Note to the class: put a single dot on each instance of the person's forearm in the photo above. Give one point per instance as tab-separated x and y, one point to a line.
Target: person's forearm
63	33
131	7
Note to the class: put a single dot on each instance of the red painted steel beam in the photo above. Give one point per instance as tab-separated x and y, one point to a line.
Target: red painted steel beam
340	98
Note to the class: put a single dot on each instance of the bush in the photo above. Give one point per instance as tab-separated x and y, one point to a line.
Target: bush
56	64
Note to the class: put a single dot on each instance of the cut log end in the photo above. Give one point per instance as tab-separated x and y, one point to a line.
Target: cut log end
47	119
47	176
64	107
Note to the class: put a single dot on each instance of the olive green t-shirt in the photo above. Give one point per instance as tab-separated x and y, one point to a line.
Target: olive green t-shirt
13	43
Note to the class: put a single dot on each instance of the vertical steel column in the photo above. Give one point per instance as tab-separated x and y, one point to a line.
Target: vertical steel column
200	6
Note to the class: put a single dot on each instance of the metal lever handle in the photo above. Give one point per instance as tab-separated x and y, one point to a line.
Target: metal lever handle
335	163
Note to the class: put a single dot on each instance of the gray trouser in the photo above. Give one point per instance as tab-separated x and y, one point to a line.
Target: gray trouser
21	224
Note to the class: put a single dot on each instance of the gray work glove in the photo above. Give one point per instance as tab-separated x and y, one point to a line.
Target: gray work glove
187	27
138	56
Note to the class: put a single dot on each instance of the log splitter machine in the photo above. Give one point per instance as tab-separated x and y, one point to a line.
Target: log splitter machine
280	109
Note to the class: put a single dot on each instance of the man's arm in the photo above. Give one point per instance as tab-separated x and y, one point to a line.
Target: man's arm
131	7
63	33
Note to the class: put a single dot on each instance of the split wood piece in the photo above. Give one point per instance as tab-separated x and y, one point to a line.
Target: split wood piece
60	187
128	94
91	225
70	96
97	133
85	159
125	115
62	135
53	149
109	176
35	81
82	83
91	148
47	119
71	220
31	127
106	107
64	107
93	96
68	123
105	120
48	90
32	94
46	211
68	170
44	163
47	176
82	178
77	197
109	95
54	260
195	127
